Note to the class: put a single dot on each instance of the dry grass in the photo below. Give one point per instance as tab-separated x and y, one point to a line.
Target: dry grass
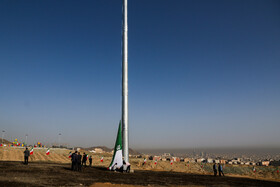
61	156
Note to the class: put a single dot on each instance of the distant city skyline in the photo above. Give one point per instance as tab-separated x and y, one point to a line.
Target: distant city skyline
201	73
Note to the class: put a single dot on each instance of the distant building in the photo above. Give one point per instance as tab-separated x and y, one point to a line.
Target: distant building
98	150
275	163
223	161
216	161
235	161
176	159
199	160
156	158
265	163
187	160
166	155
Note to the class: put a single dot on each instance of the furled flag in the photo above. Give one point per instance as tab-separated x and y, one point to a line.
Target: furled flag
87	156
1	145
254	169
145	160
101	160
171	162
117	157
277	171
70	154
155	162
31	151
48	152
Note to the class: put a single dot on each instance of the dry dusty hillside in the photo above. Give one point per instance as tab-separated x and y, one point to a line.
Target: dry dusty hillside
61	156
56	155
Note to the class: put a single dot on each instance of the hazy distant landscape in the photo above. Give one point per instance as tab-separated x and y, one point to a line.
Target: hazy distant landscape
254	153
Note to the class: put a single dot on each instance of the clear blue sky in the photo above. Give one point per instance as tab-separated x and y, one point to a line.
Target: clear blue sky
201	73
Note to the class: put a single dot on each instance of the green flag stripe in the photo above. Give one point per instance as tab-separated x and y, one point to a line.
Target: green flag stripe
118	145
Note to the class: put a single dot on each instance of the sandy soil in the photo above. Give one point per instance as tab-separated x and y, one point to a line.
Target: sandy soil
58	174
55	166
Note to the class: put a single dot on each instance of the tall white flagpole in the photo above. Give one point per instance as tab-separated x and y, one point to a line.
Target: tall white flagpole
125	85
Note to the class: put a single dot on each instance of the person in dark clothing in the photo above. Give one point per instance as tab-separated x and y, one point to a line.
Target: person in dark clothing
74	160
26	155
125	167
220	169
215	169
84	159
90	161
79	159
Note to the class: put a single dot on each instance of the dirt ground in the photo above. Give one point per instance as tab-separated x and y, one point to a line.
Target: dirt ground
15	173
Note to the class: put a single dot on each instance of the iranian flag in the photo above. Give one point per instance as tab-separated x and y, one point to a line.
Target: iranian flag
171	162
48	152
87	156
101	160
31	151
70	154
155	162
117	157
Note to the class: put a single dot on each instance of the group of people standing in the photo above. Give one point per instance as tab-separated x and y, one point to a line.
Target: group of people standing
220	169
78	161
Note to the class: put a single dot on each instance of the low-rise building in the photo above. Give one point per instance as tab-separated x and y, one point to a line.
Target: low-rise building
217	161
187	159
265	163
98	150
223	161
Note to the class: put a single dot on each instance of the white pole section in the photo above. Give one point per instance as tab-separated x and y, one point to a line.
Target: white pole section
125	84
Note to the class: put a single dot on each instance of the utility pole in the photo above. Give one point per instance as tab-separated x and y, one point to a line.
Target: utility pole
3	132
26	140
59	135
125	84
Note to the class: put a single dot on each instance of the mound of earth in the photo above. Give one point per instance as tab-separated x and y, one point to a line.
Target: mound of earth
6	141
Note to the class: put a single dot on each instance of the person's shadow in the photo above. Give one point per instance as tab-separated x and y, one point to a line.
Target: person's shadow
100	168
67	168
